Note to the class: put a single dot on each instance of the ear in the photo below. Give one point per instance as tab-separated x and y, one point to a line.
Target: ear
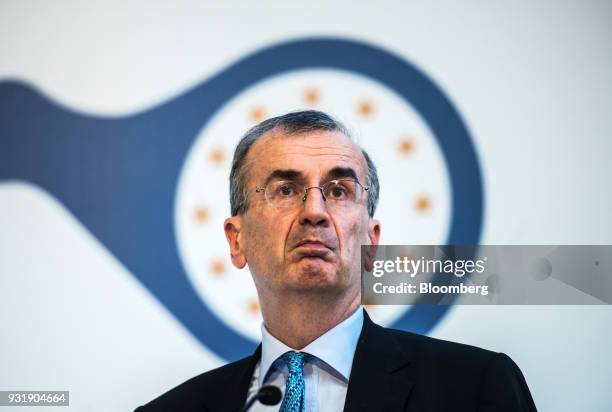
374	237
232	226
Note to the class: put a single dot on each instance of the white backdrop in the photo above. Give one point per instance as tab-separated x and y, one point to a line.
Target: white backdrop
533	83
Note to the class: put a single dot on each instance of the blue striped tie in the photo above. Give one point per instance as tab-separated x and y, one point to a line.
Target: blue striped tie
294	387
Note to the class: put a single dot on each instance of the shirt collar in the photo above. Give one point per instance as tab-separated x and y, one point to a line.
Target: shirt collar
336	347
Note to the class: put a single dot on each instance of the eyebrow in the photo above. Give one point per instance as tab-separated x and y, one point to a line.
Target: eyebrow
284	174
291	174
340	173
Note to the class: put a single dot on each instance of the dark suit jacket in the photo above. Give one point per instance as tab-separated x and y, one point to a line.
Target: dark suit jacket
392	371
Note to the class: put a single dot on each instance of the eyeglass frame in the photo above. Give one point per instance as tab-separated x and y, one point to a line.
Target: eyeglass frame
259	189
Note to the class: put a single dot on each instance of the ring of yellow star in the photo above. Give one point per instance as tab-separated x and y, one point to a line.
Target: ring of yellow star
201	214
217	267
257	114
217	156
311	96
365	109
422	204
405	145
253	306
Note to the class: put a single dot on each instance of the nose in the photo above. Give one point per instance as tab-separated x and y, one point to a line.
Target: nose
314	209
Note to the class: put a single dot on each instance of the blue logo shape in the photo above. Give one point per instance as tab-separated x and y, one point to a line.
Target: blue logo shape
118	175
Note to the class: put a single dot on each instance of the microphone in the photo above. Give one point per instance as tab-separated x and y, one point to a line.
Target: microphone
268	395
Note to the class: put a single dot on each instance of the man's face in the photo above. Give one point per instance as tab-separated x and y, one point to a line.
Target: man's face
312	246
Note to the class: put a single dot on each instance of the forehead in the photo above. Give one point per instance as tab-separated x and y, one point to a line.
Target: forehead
312	153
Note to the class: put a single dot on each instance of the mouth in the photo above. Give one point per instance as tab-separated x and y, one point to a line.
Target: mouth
312	248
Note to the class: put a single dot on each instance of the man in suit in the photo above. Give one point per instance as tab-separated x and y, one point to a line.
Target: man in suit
303	197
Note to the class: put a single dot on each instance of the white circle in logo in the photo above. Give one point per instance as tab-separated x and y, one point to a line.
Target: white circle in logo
414	206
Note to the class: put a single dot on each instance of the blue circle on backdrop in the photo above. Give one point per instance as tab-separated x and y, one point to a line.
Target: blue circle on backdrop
416	89
126	164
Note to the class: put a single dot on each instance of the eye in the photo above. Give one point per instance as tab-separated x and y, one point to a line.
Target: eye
337	191
286	189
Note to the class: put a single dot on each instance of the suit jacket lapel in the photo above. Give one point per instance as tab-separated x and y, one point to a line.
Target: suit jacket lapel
231	395
380	379
380	376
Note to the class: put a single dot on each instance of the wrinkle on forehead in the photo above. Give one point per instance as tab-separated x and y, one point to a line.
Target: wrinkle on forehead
278	150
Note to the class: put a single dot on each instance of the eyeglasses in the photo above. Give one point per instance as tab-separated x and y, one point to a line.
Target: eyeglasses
336	193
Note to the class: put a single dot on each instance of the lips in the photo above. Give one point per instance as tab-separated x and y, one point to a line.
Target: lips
312	243
312	248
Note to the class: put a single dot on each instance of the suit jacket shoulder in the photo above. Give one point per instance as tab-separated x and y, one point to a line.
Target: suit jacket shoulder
403	371
221	389
392	370
432	350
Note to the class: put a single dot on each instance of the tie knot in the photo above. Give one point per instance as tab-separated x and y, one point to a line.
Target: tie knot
294	361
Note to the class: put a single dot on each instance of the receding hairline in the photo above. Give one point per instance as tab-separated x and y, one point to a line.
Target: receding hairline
282	132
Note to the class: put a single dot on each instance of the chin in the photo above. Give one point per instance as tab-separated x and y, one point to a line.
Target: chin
316	276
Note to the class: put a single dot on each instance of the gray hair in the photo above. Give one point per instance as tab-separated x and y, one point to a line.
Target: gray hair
291	123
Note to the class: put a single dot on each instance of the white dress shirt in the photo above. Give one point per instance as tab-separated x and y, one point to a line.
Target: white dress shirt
326	371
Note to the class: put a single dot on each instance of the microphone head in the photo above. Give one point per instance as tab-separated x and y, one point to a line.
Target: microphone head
269	395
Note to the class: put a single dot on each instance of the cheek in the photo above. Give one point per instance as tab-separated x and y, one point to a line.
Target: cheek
352	234
266	238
